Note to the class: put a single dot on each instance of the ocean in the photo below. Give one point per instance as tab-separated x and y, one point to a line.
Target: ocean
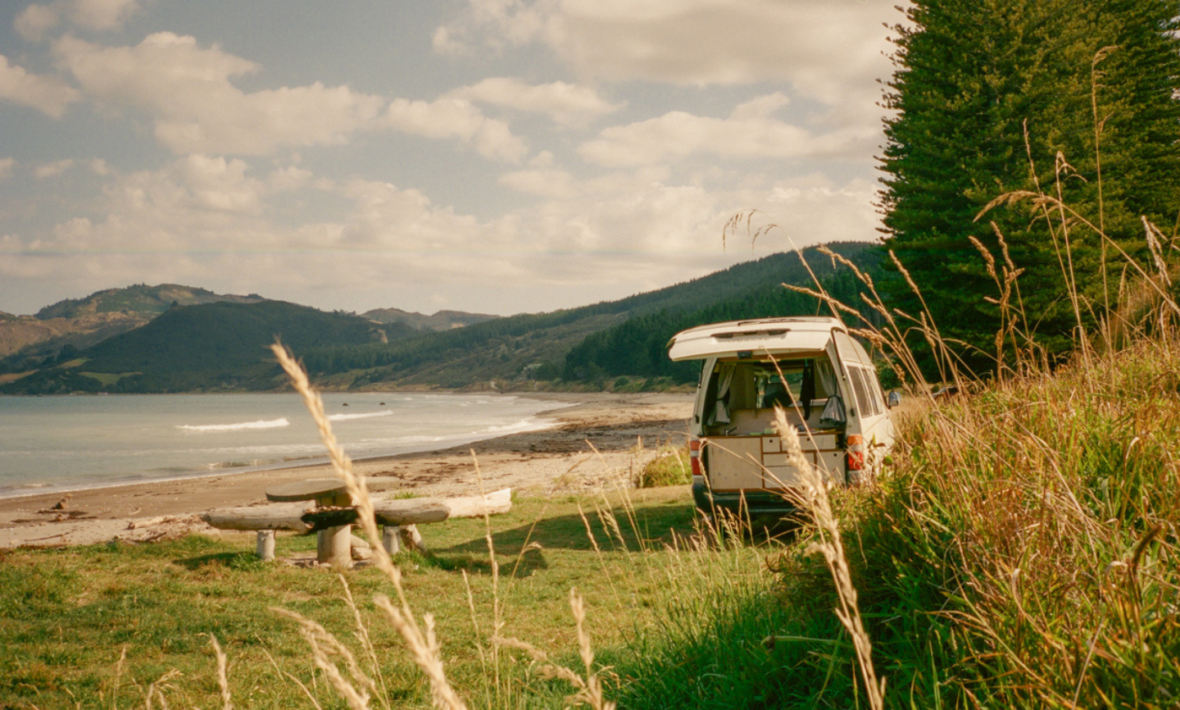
51	444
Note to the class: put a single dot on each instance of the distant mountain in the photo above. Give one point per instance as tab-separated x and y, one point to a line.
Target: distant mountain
442	320
25	338
221	346
26	341
141	300
217	346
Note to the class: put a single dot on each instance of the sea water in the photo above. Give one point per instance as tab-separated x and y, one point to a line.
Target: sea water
63	443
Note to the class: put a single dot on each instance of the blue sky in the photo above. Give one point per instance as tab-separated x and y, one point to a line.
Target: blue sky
495	156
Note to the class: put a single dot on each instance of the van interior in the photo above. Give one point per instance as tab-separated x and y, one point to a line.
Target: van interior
742	394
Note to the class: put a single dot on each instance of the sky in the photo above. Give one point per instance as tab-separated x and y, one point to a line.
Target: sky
493	156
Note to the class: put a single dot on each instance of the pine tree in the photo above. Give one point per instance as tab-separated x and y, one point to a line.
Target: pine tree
984	90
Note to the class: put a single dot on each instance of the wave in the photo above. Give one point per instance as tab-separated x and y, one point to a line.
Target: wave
260	424
346	417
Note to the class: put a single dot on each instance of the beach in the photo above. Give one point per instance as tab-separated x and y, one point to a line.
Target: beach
592	442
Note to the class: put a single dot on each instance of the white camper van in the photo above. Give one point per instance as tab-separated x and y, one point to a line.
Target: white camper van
810	366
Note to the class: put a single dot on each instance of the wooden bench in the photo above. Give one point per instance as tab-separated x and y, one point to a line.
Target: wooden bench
323	505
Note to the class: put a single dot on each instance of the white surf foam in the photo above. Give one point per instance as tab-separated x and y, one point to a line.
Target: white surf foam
346	417
260	424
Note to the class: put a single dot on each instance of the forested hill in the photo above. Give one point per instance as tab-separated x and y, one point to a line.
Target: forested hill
637	346
209	347
221	346
535	346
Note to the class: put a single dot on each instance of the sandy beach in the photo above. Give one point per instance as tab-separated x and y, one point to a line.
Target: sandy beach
561	458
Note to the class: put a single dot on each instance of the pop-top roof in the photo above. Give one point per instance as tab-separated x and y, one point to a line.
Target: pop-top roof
775	335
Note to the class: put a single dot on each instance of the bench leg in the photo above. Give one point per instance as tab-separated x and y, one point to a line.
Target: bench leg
391	539
334	545
412	539
266	545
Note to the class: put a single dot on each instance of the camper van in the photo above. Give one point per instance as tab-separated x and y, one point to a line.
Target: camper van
811	367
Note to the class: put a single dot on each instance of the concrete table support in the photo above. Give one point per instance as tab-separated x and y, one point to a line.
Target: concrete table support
391	540
266	545
395	538
333	545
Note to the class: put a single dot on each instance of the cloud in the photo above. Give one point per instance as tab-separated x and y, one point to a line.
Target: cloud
187	91
498	23
102	14
450	117
564	103
554	184
824	49
6	165
221	223
750	132
47	94
54	169
36	19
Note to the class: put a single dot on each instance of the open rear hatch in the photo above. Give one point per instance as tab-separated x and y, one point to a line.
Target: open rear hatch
753	371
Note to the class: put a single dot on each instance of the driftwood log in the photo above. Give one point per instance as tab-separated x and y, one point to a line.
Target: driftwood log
414	511
280	516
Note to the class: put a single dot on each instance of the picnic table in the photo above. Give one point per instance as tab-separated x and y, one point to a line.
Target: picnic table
324	506
333	544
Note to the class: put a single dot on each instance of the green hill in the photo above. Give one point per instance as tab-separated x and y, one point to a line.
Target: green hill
442	320
537	345
221	346
29	342
140	299
215	346
637	347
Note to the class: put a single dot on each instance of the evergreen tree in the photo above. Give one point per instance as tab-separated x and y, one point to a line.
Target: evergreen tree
970	77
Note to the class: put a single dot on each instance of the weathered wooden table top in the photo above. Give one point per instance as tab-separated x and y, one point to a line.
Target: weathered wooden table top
313	489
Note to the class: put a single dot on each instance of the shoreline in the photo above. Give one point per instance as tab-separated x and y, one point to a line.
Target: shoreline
49	489
536	461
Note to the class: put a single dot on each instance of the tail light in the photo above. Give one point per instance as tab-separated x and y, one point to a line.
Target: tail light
694	455
856	452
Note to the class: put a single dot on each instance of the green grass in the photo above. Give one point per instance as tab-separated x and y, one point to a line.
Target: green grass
106	378
1021	551
67	615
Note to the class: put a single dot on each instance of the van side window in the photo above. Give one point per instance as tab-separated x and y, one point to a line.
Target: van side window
871	387
875	388
863	402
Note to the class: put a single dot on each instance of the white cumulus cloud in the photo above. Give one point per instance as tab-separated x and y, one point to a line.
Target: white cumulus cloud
825	49
48	94
750	132
564	103
543	182
197	109
6	165
37	19
451	117
102	14
53	169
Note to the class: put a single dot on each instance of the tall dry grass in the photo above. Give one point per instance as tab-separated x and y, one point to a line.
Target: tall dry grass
357	687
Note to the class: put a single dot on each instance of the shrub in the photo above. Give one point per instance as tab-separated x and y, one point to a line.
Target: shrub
670	467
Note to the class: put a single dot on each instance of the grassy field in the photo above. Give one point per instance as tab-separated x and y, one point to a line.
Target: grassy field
67	616
1020	550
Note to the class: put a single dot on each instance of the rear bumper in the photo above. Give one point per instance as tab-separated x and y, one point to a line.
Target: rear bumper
754	503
